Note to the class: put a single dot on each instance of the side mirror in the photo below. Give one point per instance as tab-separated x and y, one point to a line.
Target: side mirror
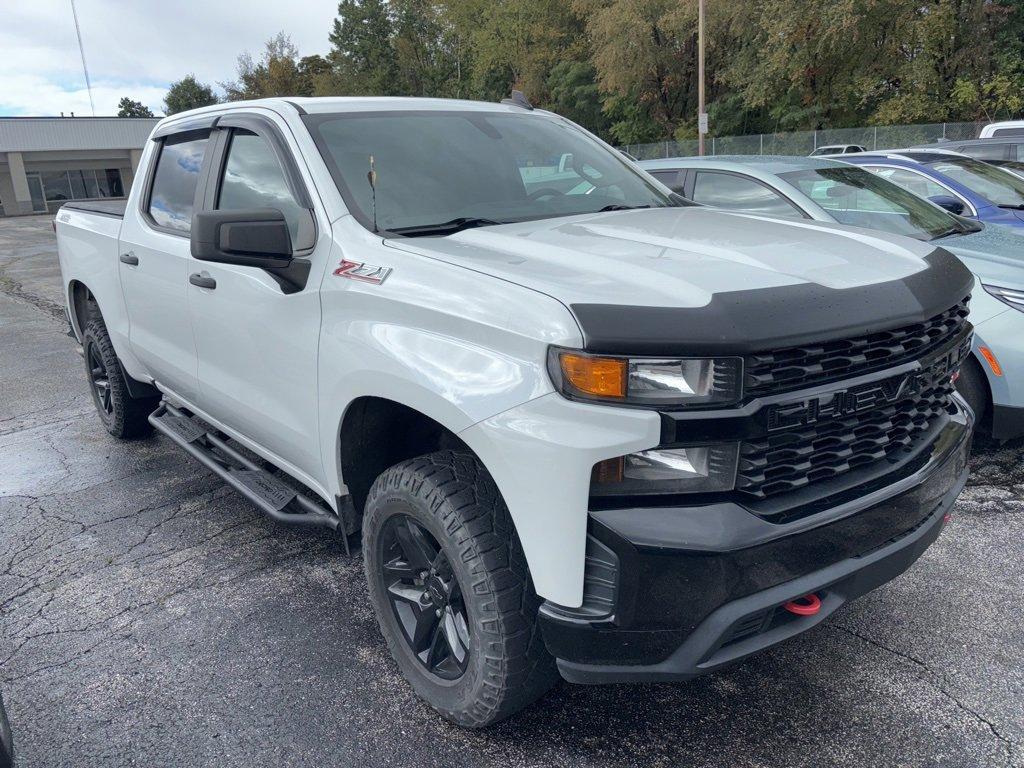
254	237
948	202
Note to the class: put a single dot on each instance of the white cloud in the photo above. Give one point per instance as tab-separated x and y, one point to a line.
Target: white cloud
137	48
36	95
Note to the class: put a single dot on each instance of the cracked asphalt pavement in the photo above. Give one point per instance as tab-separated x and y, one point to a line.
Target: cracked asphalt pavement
150	616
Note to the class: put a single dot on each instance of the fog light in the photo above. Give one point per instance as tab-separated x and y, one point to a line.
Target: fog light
695	469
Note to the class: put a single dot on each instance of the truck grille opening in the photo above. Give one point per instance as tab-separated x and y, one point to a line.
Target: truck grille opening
808	453
793	368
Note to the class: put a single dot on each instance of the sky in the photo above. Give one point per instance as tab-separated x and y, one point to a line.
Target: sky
136	48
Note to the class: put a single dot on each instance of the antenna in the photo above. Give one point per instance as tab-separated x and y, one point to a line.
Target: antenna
81	50
518	99
371	177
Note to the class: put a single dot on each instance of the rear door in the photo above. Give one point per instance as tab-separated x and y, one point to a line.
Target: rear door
154	256
256	334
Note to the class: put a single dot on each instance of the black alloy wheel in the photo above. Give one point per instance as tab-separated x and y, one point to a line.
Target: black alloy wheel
100	380
426	597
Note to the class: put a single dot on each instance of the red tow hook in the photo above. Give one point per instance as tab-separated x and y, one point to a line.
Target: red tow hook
808	605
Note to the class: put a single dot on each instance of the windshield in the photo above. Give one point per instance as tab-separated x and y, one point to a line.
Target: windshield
860	198
441	171
999	186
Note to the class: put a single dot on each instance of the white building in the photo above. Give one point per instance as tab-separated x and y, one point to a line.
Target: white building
45	161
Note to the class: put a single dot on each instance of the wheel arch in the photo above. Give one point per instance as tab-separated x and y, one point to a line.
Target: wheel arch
79	298
378	432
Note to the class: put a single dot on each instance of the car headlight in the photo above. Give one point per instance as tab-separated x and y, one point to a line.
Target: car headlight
646	380
695	469
1009	296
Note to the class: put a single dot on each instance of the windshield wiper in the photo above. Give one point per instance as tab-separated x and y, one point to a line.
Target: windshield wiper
950	231
1014	207
446	227
618	207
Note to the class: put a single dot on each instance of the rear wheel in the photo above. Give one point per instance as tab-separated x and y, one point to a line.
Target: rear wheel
122	415
451	590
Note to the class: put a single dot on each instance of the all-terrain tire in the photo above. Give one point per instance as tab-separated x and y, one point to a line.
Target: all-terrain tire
452	496
122	415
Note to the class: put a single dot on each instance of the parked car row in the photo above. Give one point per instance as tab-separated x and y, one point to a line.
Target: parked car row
970	208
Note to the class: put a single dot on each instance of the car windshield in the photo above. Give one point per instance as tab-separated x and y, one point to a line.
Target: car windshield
437	172
999	186
860	198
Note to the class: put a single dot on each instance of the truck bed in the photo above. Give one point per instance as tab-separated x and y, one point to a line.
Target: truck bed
114	208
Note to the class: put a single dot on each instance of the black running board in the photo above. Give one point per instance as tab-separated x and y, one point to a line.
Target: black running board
276	498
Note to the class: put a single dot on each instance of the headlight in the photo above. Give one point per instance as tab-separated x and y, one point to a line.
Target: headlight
1009	296
696	469
644	380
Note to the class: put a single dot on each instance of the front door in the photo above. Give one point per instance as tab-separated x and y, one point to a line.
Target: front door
256	336
154	256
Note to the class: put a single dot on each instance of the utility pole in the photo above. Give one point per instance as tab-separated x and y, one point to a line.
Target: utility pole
702	116
81	50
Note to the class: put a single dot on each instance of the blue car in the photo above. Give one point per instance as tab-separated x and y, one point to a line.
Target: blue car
992	381
958	183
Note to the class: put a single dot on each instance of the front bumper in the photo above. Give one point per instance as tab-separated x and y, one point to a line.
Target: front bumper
696	588
1003	334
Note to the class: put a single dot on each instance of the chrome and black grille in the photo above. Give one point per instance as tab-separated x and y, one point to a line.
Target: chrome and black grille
897	420
792	368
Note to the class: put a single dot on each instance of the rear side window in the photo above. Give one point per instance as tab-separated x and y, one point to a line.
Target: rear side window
671	179
174	182
724	190
254	179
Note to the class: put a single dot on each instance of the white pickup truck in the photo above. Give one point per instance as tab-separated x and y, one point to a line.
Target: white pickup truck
583	426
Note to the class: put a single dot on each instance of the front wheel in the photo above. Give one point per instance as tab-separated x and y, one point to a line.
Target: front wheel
449	583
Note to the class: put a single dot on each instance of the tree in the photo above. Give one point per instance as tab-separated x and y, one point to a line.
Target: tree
188	93
573	90
129	108
361	53
277	73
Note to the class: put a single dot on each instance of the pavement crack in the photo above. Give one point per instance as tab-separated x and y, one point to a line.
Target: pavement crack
15	290
941	689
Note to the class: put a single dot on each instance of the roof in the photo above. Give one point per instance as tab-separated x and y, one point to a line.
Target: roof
950	143
40	134
766	163
330	104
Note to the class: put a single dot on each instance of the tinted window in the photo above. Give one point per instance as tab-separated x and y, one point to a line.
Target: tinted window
174	183
993	151
999	186
254	179
435	167
724	190
670	179
855	196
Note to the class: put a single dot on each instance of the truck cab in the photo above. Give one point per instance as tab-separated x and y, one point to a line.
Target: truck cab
579	425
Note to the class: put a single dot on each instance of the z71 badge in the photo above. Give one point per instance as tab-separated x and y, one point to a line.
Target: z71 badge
365	273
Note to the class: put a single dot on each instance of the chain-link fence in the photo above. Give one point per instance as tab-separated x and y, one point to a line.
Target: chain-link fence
805	142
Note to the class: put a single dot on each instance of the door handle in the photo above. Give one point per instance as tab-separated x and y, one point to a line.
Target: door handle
129	258
203	281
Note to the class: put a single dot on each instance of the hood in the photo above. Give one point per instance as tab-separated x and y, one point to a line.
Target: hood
674	256
637	279
995	254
